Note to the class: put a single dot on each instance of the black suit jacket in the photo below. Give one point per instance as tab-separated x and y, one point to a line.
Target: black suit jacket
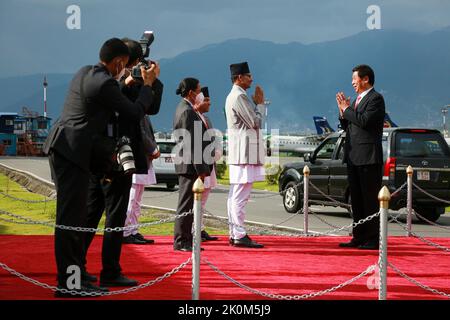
364	130
186	118
81	119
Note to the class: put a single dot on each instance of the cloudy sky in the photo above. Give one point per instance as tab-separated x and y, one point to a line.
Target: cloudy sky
35	37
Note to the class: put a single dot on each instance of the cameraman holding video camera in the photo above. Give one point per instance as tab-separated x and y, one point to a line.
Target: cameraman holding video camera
113	194
93	97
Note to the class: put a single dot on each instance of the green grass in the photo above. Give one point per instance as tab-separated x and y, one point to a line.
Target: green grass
260	185
47	212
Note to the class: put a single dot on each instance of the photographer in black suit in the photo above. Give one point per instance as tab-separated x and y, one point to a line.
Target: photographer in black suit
113	194
363	153
93	96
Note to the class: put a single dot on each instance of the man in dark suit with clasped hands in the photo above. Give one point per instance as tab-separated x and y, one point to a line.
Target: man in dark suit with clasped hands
363	123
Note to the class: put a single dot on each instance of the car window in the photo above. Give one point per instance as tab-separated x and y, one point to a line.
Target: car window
326	150
420	145
166	147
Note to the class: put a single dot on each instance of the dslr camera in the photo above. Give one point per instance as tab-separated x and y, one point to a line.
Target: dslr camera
145	42
125	158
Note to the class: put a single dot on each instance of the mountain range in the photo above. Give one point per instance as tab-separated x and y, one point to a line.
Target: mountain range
412	72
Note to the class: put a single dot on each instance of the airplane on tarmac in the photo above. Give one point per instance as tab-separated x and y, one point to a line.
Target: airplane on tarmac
303	144
300	145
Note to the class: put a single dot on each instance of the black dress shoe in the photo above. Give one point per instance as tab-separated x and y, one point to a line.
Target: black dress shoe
370	245
86	276
231	241
206	237
132	240
351	244
246	242
85	287
120	281
141	237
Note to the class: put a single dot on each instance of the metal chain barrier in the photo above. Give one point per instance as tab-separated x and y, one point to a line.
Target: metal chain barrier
417	283
430	222
415	235
93	230
288	297
316	234
96	293
295	186
341	204
393	194
23	222
25	200
323	220
430	195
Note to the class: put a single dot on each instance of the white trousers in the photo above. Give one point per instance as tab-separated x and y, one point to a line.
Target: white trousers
237	200
134	208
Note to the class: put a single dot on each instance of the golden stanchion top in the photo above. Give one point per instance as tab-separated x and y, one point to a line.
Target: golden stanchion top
306	170
409	170
384	194
198	186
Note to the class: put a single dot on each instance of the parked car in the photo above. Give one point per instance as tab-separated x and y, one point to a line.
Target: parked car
164	166
424	149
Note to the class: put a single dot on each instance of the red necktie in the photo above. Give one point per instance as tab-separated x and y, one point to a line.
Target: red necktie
357	101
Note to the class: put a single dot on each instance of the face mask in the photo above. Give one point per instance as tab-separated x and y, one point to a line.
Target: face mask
199	98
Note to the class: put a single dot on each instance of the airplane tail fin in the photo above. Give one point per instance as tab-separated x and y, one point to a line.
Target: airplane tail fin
322	125
388	123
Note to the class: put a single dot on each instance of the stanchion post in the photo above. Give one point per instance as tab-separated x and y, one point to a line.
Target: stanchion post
384	197
198	189
409	172
305	198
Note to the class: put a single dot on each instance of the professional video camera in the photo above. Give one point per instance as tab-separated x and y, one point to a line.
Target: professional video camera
146	40
125	157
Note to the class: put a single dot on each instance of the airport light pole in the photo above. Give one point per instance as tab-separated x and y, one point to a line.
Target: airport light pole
444	111
45	83
268	142
266	104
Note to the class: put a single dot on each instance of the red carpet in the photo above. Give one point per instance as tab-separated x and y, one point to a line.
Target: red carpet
287	266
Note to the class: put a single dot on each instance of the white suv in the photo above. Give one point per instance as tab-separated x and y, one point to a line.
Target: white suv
164	166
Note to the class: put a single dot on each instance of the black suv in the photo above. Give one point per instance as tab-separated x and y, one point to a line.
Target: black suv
424	149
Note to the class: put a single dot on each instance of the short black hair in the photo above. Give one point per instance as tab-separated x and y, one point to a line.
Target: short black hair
134	48
113	48
365	71
186	85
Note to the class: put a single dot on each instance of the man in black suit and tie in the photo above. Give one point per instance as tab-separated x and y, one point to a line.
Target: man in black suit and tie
363	124
189	162
93	96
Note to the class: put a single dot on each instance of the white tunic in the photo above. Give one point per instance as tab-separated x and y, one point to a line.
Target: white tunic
241	174
145	179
